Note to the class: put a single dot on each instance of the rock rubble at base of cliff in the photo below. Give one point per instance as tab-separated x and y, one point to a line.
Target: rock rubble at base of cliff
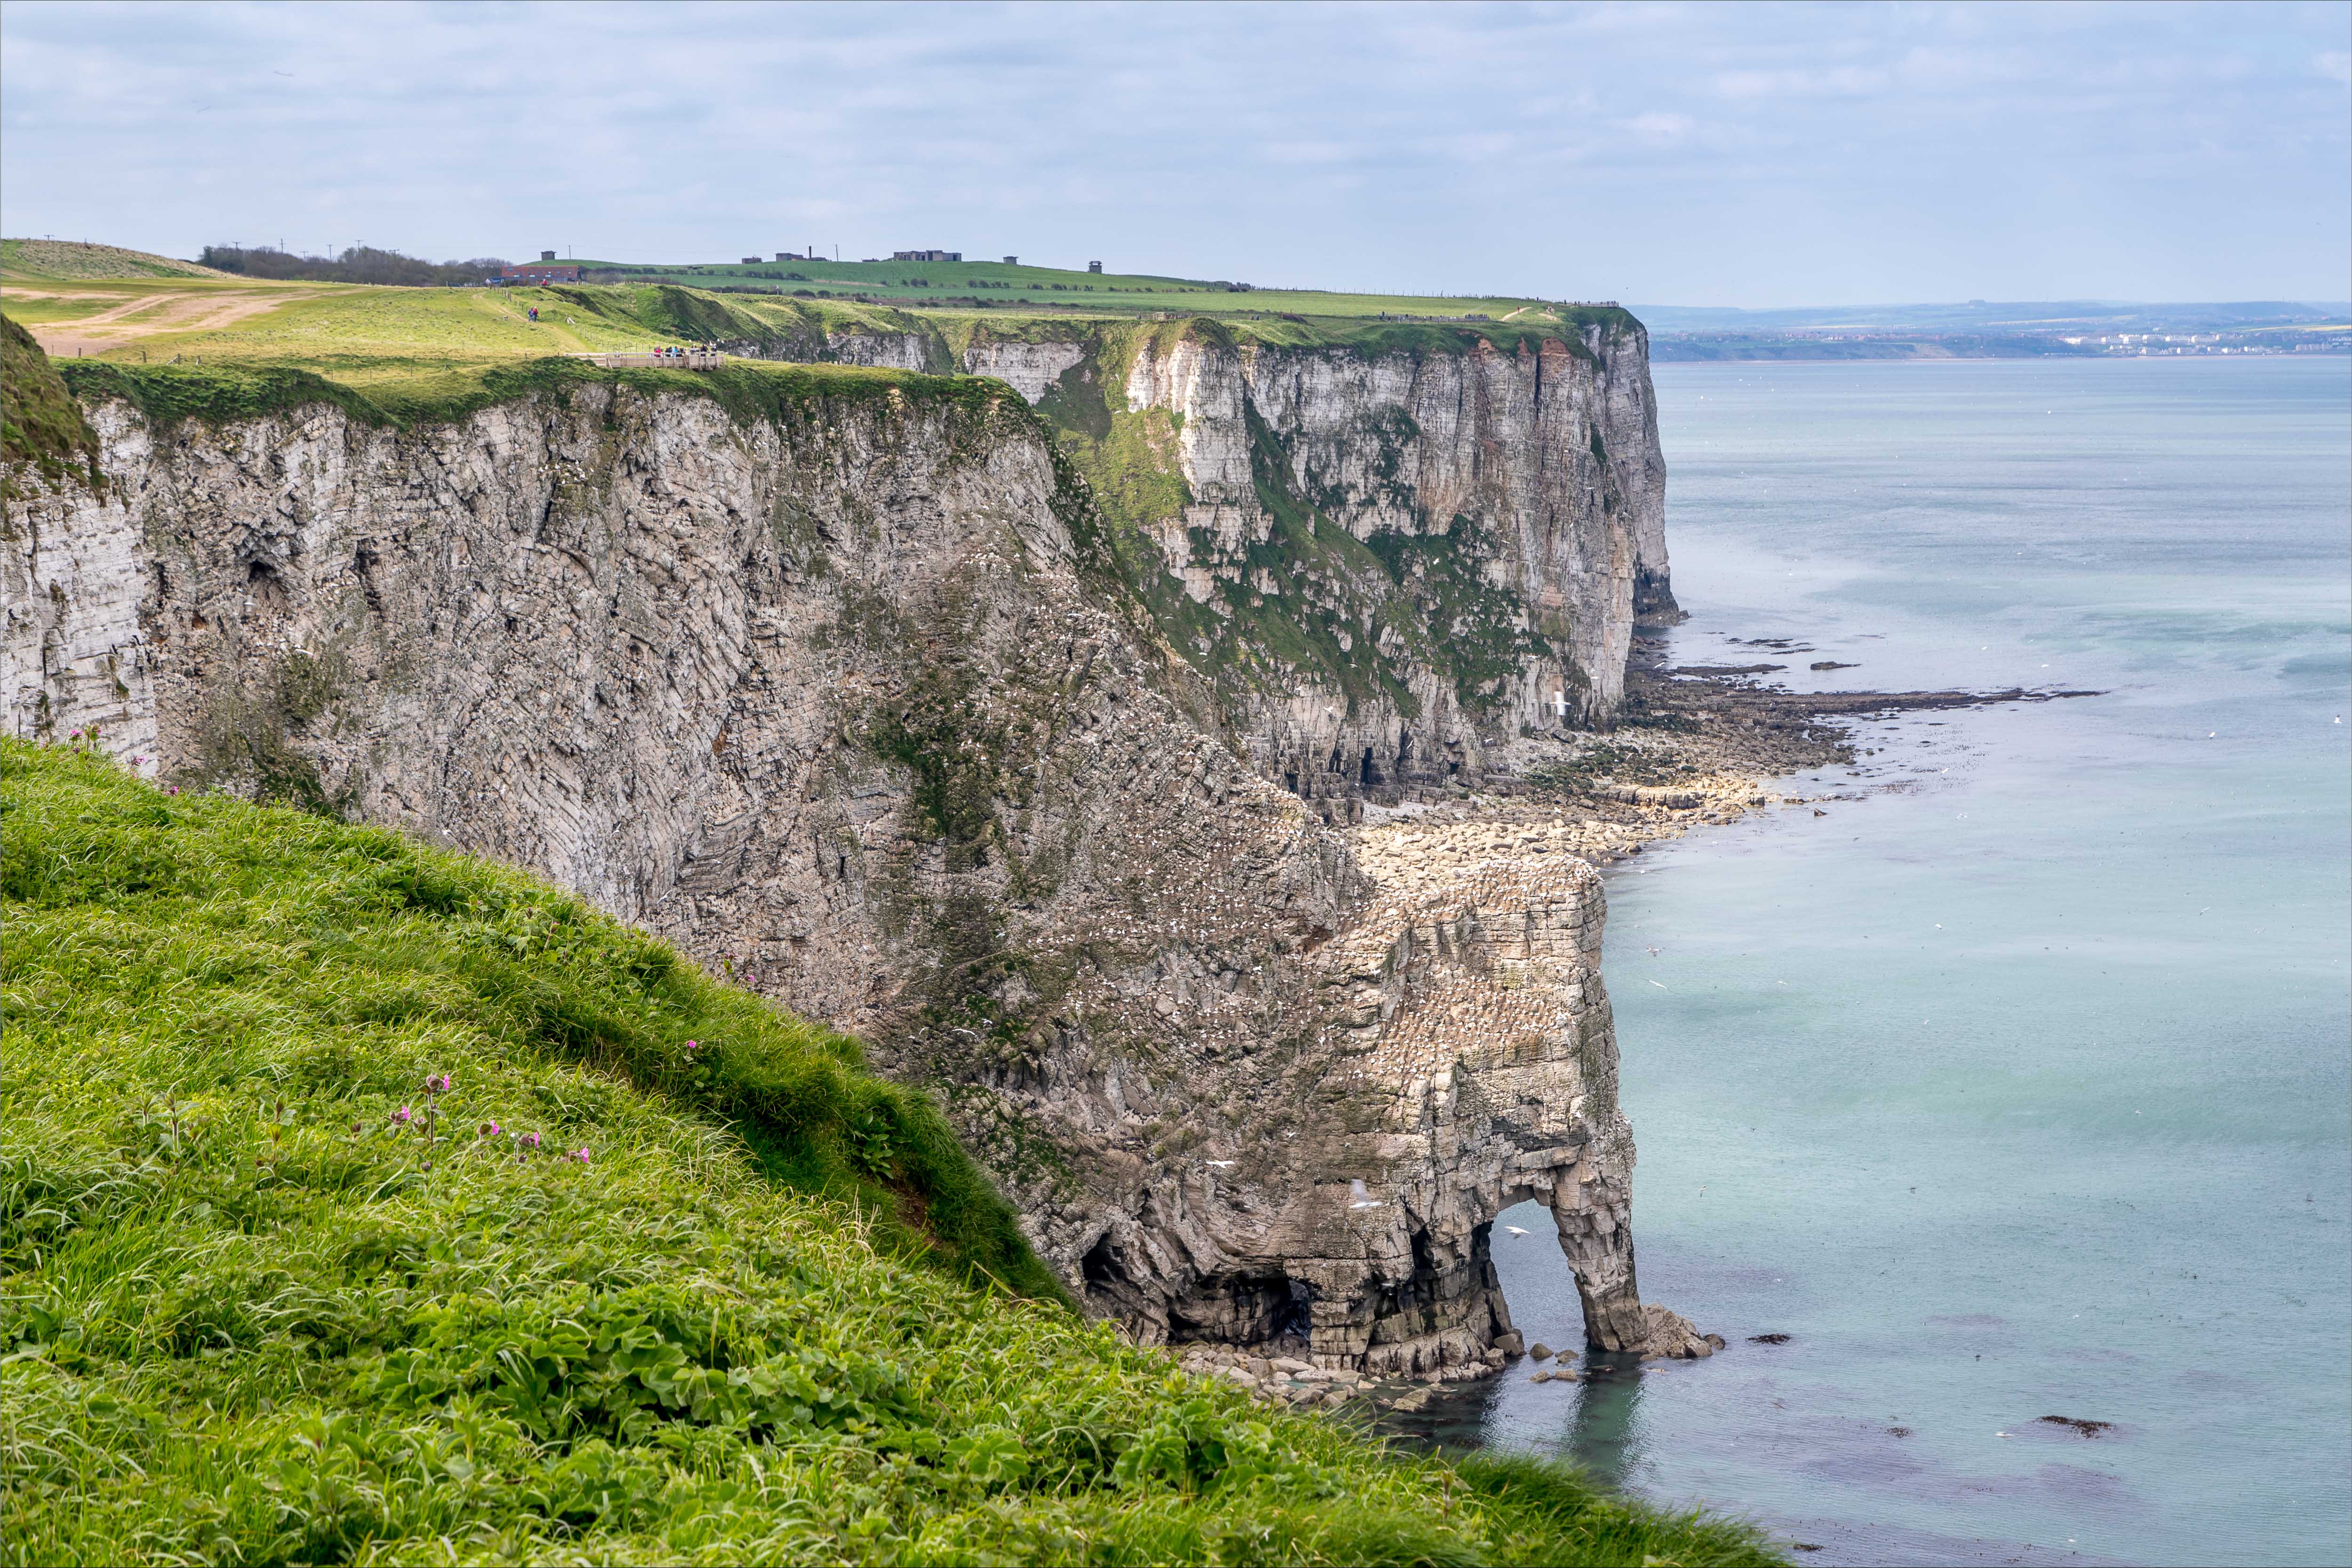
1282	1373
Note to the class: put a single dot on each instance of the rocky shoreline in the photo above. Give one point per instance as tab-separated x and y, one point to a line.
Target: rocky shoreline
1701	747
1281	1373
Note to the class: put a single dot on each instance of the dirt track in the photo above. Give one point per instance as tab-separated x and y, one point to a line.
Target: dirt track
148	315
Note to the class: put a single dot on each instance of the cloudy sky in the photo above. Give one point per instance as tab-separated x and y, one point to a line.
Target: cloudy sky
1750	154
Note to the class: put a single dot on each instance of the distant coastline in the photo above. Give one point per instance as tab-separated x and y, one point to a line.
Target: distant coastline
2063	328
1692	348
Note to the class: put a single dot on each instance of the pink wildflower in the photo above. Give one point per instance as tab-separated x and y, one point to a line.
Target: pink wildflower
580	1155
530	1140
403	1115
694	1045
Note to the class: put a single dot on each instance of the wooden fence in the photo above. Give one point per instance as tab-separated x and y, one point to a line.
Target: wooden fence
685	359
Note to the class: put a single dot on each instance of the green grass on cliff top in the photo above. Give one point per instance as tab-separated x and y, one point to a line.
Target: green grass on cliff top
608	1298
1056	289
433	348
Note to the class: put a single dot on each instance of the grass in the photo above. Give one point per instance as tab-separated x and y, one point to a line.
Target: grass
40	423
270	1297
366	337
750	390
1049	286
62	259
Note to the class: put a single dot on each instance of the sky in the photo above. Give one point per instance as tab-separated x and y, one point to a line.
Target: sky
1748	155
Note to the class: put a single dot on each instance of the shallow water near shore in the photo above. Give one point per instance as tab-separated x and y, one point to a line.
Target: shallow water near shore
2010	1078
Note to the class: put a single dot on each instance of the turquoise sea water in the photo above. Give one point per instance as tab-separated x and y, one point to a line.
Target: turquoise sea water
2016	1084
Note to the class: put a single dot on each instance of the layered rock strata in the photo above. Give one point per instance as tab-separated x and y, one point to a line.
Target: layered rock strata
1388	558
858	700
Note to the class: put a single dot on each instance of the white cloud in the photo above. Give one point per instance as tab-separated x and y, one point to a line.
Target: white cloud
1661	129
1842	81
1843	144
1309	153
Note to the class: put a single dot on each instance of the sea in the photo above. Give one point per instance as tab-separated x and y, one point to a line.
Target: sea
2007	1077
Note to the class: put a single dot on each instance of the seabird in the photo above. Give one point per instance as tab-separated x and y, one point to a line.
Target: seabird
1219	1165
1515	1230
1359	1197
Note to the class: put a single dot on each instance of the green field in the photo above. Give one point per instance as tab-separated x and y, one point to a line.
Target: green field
363	1203
426	343
1017	288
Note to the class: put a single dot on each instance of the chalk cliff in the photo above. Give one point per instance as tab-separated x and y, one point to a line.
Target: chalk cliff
1387	555
845	682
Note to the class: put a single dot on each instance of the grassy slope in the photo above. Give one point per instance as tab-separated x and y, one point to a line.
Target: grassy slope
63	258
750	389
40	423
252	1314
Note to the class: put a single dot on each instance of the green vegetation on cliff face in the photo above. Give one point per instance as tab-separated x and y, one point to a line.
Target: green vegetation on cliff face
40	423
748	389
362	1203
1309	599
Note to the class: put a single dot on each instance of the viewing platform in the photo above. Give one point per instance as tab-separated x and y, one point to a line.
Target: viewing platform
682	358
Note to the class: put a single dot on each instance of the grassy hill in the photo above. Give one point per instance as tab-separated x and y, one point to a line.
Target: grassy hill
362	1202
66	258
40	423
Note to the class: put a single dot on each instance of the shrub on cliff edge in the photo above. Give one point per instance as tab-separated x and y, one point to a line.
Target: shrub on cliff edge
364	1203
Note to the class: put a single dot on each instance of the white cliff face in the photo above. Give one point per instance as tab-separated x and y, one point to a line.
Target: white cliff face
1030	369
1389	562
1407	445
1496	516
886	351
73	656
858	701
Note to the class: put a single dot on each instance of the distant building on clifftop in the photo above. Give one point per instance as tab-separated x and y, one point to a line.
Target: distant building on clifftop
546	270
926	256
